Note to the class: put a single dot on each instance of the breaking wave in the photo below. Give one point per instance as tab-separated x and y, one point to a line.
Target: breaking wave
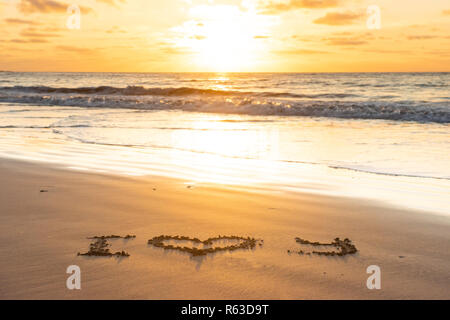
336	105
168	92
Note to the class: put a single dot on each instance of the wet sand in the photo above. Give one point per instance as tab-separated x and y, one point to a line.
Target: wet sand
47	215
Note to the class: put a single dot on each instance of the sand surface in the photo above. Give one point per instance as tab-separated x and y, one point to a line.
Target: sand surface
41	233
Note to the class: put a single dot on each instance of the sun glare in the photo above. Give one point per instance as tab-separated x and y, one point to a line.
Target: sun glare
223	38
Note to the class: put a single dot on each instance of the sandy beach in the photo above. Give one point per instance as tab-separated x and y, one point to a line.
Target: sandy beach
225	150
48	212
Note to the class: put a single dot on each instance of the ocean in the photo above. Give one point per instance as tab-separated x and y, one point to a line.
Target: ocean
375	136
421	97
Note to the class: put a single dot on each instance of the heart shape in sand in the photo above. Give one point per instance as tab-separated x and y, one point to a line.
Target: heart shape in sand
244	243
344	247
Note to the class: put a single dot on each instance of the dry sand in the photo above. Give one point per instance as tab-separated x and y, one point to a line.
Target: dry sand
41	233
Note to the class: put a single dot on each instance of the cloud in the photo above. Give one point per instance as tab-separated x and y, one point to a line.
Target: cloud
299	52
28	41
37	35
345	41
46	6
421	37
116	29
76	49
42	6
198	37
112	2
32	34
387	51
171	50
446	12
338	19
21	21
274	7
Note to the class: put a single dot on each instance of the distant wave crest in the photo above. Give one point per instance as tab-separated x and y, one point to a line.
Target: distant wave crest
182	91
230	102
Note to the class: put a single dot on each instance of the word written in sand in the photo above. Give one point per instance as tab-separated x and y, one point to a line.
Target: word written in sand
345	247
99	247
244	243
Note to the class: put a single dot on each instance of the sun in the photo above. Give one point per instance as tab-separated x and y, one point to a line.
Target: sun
225	39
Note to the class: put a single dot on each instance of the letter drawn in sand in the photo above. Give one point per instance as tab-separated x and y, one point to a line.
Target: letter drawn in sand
100	244
74	280
345	247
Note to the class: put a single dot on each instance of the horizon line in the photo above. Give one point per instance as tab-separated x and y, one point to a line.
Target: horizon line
228	72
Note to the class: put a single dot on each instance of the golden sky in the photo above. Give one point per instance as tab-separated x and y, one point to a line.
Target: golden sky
225	35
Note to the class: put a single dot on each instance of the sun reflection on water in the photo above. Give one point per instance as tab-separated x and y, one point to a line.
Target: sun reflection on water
217	147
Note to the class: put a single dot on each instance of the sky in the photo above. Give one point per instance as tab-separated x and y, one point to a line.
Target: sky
225	35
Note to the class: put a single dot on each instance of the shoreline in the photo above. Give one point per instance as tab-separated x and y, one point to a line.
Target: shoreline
41	233
239	150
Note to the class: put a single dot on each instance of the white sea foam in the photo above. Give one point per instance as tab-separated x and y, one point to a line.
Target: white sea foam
248	104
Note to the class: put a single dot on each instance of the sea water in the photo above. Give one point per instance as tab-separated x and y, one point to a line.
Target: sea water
380	136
